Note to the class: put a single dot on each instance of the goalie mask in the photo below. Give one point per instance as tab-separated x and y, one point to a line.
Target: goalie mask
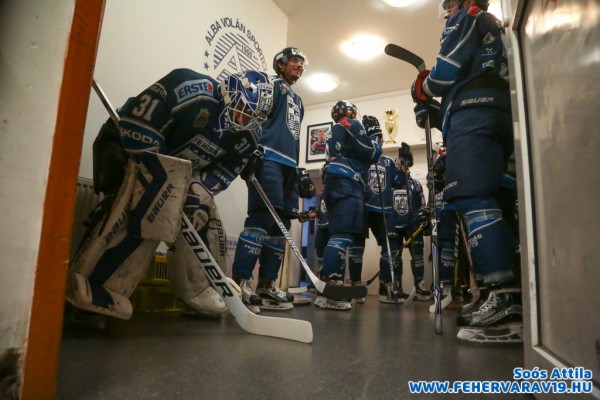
343	108
248	98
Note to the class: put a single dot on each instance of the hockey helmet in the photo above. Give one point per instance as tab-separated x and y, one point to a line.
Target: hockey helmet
285	54
248	98
405	156
343	108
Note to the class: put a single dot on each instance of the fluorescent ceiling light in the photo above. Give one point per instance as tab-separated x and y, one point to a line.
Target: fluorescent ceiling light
362	47
322	82
399	3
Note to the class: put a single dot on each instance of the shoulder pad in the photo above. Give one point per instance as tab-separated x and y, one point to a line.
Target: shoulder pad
473	10
345	123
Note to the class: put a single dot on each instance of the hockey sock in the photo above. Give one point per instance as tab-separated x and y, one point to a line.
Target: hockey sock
490	239
355	258
271	257
248	250
334	256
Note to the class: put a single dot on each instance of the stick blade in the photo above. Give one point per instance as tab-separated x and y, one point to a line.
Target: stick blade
283	328
403	54
344	292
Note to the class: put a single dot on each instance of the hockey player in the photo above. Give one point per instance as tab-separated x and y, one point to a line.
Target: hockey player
278	174
144	169
407	203
383	176
471	77
349	152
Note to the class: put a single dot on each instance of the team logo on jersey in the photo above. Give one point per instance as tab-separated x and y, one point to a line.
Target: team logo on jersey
231	47
377	179
401	202
488	39
189	89
201	119
293	117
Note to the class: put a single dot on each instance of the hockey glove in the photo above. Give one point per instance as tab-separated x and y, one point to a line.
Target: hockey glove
428	108
425	220
416	91
253	164
306	216
371	125
306	188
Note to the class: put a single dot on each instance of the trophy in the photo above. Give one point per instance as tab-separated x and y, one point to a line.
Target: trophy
390	124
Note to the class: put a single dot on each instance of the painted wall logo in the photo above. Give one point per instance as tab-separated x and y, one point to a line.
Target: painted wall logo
231	47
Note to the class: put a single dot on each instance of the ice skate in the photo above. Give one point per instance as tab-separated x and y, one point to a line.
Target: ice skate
386	294
272	297
329	304
499	319
422	293
446	298
249	298
362	299
507	333
466	311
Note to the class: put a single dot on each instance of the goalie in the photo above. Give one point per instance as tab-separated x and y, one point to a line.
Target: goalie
177	144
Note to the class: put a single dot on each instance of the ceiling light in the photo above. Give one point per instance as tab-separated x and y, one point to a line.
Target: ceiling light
322	82
399	3
362	47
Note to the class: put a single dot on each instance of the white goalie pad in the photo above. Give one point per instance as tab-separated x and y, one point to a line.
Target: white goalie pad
190	283
158	196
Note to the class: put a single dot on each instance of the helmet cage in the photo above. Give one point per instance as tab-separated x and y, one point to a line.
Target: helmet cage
248	94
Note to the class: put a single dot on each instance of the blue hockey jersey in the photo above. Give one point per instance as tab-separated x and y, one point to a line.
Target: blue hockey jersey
407	202
471	69
181	115
385	175
281	133
350	152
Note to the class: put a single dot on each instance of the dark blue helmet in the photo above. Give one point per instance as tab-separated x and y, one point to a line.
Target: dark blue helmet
343	108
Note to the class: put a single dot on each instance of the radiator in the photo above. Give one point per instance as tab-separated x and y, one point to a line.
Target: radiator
86	201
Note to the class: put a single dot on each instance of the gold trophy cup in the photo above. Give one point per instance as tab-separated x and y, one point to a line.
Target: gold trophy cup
390	124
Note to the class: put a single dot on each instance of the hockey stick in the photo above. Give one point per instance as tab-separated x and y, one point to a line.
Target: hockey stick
416	61
329	291
284	328
387	240
400	53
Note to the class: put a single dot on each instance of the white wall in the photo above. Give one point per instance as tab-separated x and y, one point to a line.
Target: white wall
143	40
406	131
32	52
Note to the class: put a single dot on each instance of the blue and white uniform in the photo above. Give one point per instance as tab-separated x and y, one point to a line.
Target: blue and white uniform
350	152
181	115
383	177
407	202
262	239
471	76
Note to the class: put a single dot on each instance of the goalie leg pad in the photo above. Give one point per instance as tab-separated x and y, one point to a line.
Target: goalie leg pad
190	283
157	201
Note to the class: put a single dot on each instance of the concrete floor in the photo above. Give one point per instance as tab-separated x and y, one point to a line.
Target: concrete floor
369	352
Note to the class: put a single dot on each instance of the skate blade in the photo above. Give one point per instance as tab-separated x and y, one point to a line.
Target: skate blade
508	333
274	305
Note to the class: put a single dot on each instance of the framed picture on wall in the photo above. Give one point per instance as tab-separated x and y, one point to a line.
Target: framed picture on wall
316	136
